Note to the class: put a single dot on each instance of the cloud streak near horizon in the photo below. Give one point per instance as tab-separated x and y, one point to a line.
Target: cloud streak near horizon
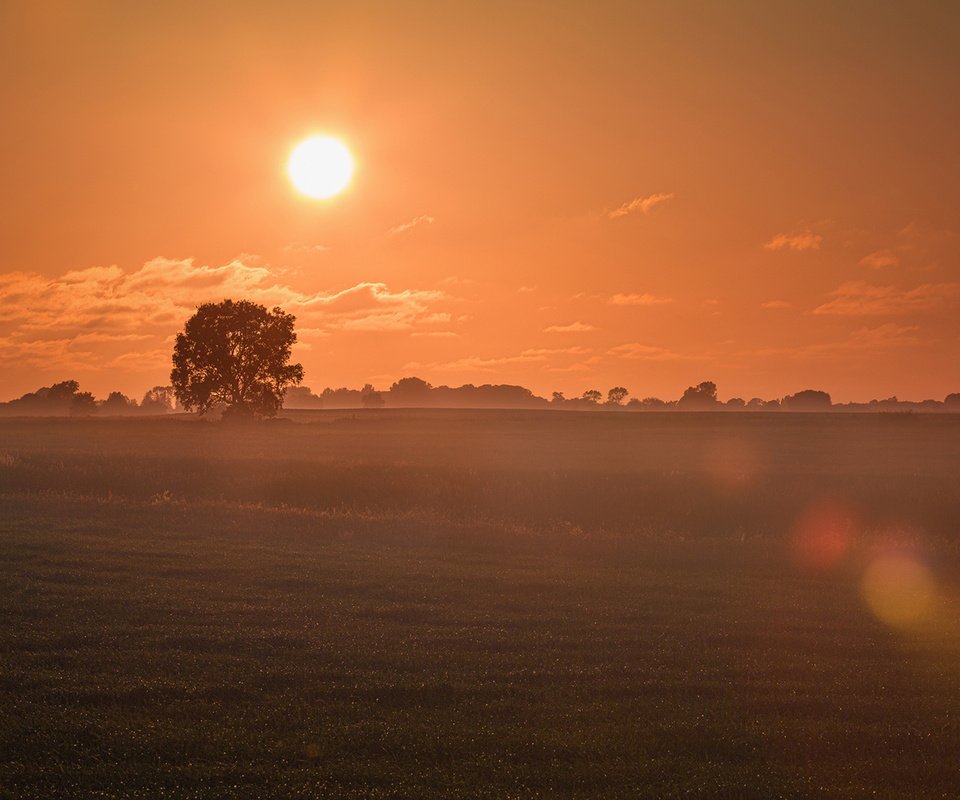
859	298
50	321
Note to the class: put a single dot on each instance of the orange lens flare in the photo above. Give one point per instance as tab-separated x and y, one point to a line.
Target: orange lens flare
822	536
899	590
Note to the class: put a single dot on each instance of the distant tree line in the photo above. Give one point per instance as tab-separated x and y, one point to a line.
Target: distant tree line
417	393
66	399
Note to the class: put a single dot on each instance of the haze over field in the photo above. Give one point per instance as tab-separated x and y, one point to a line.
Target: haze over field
294	300
481	604
552	195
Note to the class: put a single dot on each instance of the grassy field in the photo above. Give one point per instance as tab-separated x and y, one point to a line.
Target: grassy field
481	604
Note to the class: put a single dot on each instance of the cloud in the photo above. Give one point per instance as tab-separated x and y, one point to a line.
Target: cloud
553	351
645	299
880	259
795	241
859	298
635	351
473	363
573	327
423	219
578	366
642	204
46	353
299	248
436	334
918	232
538	355
91	317
163	292
772	304
883	337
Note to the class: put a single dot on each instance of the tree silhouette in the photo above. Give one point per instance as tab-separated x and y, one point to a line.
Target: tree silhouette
807	400
236	354
159	400
616	396
592	395
118	403
370	397
699	397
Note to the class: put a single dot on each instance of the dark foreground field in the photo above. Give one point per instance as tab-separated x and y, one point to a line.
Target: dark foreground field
481	604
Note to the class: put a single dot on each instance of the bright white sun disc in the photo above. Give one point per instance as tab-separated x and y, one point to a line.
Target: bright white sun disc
320	167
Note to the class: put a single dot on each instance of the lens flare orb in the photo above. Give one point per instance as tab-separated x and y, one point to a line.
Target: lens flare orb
899	590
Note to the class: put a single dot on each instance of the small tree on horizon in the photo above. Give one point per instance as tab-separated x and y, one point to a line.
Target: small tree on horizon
617	395
701	397
592	395
236	354
808	400
159	399
370	397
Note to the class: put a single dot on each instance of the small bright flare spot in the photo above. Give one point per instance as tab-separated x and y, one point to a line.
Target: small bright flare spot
898	589
823	536
320	167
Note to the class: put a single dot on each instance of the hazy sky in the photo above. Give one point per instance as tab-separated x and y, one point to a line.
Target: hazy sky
563	195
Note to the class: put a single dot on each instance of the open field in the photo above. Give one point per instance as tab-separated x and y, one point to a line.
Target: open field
481	604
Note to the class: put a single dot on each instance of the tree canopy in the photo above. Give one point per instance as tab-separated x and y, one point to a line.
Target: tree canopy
236	354
701	397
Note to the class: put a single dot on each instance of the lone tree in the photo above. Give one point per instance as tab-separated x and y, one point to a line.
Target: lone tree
236	354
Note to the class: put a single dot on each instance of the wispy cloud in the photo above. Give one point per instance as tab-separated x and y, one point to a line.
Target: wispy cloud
888	336
534	355
859	298
880	259
645	299
774	304
635	351
641	204
573	327
578	366
795	241
300	248
436	334
423	219
558	351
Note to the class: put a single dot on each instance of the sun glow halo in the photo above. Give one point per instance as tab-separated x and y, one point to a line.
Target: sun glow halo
320	167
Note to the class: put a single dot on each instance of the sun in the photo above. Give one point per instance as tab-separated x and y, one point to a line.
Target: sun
320	167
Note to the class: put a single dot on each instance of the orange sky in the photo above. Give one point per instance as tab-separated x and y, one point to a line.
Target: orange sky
562	195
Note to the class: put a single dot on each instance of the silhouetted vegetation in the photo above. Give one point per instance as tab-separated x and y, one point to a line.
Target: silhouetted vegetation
65	398
160	400
807	400
235	355
616	396
702	397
